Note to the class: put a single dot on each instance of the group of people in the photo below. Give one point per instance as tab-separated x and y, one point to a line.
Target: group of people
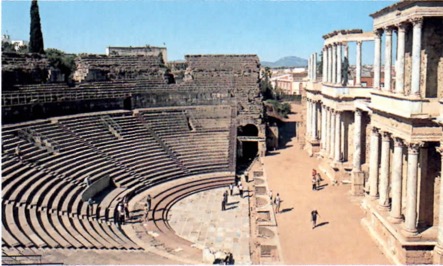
275	201
122	212
316	180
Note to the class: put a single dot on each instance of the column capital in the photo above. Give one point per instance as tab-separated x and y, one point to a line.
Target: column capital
401	26
388	30
359	43
440	148
375	131
386	136
417	21
378	33
398	142
413	148
358	112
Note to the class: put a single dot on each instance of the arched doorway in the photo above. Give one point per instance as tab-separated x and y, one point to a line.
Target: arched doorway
247	149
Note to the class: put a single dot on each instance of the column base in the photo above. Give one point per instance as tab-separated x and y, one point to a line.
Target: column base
383	208
395	220
438	255
410	234
357	183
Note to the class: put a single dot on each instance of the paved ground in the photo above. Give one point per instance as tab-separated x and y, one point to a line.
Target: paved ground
199	219
340	239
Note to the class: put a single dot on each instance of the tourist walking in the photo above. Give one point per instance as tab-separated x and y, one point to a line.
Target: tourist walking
18	152
231	188
225	196
314	215
223	204
121	214
318	181
87	181
314	183
277	202
240	190
125	206
90	210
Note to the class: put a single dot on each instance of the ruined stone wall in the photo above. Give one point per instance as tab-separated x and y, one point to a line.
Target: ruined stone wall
135	51
23	69
101	67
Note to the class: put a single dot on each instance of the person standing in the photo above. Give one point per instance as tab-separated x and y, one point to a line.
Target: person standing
231	188
314	183
225	197
314	215
18	152
87	181
121	214
246	176
224	204
240	189
277	202
125	206
90	210
317	179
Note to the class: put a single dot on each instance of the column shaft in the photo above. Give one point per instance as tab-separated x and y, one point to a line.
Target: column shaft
314	67
440	206
308	119
338	80
323	127
416	51
330	64
324	65
314	120
377	59
396	182
327	130
356	162
400	64
373	170
334	64
384	175
388	59
337	152
358	65
411	192
332	139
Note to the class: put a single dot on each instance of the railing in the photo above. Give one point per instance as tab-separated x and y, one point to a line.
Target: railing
112	126
39	140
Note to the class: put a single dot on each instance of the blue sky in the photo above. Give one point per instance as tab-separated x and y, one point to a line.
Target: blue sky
271	29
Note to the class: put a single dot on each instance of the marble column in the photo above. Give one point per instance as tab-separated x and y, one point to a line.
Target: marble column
356	162
400	63
308	119
334	64
327	130
396	182
373	170
333	132
411	192
323	127
384	171
314	67
416	55
337	152
338	79
314	120
439	246
325	65
346	50
388	58
377	58
358	64
330	50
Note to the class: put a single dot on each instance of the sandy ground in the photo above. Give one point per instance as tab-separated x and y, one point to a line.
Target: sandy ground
340	238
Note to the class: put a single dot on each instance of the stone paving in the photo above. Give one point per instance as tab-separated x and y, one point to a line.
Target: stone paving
199	219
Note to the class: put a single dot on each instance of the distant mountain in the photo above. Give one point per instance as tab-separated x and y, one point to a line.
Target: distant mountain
288	61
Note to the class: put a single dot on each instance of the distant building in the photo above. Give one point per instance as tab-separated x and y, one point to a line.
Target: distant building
290	84
141	50
16	43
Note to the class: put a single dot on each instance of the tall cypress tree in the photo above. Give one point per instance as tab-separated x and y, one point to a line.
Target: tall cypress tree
36	36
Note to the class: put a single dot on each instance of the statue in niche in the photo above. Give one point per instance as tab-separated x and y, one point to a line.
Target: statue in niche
344	72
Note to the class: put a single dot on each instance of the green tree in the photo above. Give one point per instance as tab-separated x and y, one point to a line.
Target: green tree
7	47
58	59
265	84
36	36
